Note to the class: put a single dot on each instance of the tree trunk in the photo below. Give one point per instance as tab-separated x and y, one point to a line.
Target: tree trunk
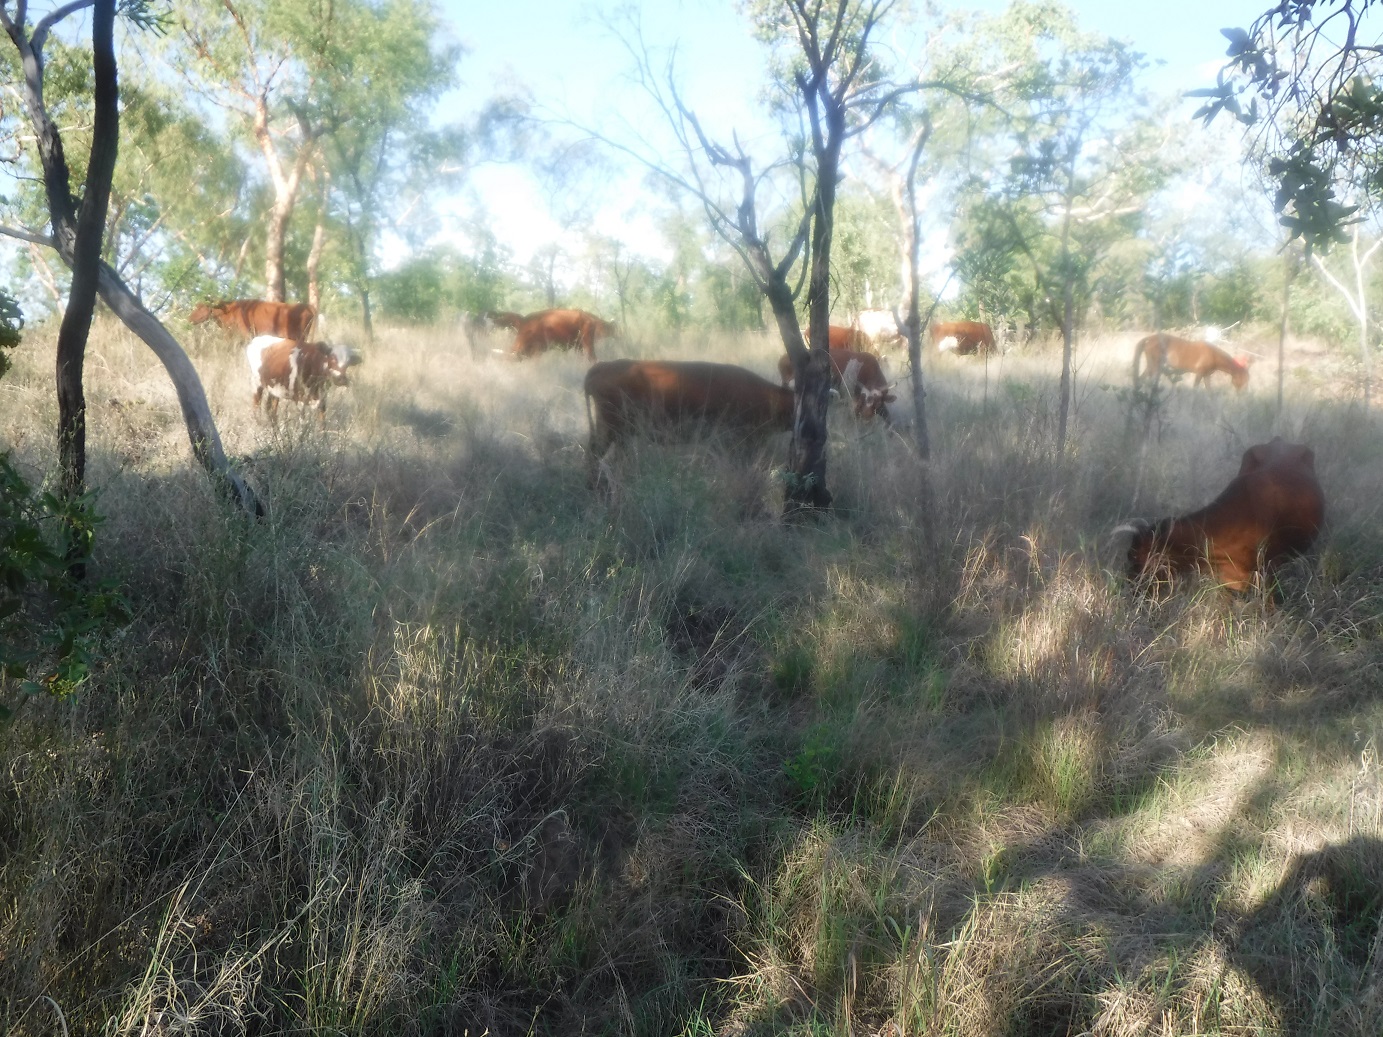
319	239
275	233
286	187
1288	276
86	254
913	323
806	488
196	414
1067	331
1363	314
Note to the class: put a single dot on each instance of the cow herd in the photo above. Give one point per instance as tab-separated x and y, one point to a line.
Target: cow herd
284	365
1273	509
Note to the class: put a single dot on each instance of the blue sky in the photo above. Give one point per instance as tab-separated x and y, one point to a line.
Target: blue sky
564	56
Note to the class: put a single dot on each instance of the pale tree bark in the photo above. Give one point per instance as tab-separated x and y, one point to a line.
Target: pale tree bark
287	180
902	191
1068	331
45	272
319	238
1357	300
1291	266
285	160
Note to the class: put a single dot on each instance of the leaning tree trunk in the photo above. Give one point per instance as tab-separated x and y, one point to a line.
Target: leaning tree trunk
196	414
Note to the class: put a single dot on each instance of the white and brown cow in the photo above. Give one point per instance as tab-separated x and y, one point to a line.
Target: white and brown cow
297	371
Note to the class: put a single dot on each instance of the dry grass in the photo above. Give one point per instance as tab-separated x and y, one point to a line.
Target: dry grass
448	745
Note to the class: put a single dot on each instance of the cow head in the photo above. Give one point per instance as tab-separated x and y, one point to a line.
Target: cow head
345	355
873	402
1146	555
1240	375
335	370
200	313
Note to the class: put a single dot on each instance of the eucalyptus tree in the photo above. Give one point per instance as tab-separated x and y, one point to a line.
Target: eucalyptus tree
262	63
77	232
1086	156
338	94
176	169
385	66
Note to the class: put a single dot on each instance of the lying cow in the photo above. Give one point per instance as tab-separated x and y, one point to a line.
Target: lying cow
1270	511
254	317
666	396
965	337
1199	358
297	371
564	328
859	374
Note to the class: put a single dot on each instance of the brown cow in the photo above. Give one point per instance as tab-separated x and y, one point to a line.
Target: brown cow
967	337
297	371
253	317
870	389
565	328
504	319
846	338
1271	510
1199	358
662	396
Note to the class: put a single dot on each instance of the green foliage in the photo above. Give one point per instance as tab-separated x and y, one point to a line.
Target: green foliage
1082	139
442	282
50	623
815	769
1303	80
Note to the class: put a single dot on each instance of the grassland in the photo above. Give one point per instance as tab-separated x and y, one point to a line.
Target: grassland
448	745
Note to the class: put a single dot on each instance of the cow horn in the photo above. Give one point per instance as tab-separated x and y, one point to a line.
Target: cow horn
1137	527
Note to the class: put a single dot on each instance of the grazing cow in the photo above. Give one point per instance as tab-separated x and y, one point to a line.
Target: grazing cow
253	317
565	328
1200	358
504	319
479	326
966	337
878	327
664	396
1271	510
297	371
867	385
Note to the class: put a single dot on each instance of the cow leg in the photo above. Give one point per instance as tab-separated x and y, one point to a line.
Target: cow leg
602	438
259	396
